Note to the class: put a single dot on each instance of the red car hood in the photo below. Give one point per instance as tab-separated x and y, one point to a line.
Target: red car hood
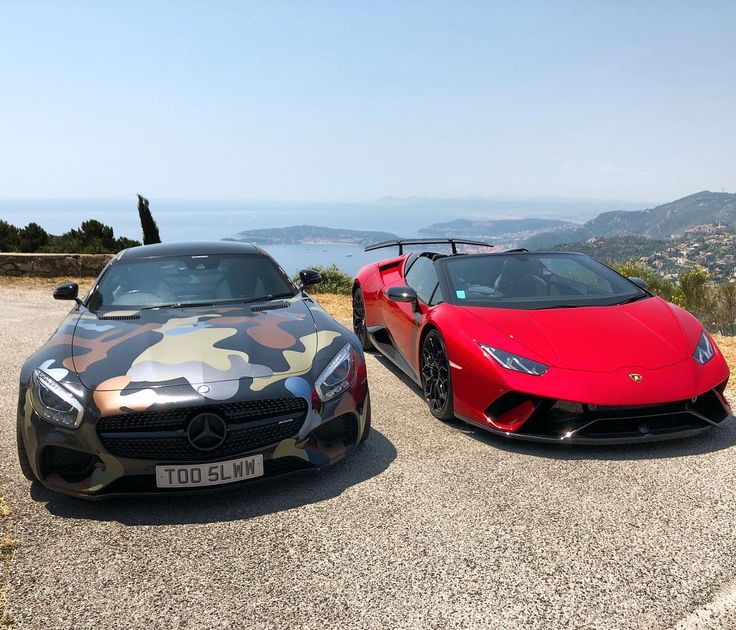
642	334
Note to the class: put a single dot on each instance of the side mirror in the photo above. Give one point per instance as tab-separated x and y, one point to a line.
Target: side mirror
67	291
638	282
402	294
309	277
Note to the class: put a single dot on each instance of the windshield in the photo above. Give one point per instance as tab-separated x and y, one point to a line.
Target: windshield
537	281
189	280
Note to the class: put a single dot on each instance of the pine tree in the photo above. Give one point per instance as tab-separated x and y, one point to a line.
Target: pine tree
150	229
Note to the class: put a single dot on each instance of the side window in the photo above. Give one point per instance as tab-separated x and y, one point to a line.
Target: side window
409	262
422	277
437	296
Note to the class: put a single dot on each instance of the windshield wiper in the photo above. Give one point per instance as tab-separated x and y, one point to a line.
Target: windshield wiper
267	298
634	298
178	305
545	308
263	298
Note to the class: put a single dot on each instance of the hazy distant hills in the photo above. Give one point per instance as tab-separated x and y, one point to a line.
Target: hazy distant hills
663	222
699	229
496	229
309	234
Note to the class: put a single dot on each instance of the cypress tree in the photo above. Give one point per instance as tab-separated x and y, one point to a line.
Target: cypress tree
150	229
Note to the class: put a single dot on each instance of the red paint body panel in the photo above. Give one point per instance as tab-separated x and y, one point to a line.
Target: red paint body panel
591	351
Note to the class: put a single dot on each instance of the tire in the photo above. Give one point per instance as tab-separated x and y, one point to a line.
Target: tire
25	464
436	380
359	326
367	427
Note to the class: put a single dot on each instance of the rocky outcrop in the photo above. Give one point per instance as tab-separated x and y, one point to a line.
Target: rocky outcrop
52	265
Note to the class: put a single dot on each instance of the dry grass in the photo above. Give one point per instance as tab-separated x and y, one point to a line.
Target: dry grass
339	306
41	283
728	348
8	545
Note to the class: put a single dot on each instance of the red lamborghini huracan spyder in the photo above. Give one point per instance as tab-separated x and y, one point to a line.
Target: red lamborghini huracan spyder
542	346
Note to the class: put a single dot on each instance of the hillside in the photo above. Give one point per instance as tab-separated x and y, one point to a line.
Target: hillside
708	246
494	230
669	220
493	227
302	234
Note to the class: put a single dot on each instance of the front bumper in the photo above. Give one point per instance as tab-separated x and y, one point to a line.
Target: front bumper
523	417
118	455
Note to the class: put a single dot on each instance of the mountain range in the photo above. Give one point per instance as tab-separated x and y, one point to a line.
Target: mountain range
497	230
699	229
666	221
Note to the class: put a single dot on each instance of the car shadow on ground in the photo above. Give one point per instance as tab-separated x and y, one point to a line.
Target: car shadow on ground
398	373
716	439
239	502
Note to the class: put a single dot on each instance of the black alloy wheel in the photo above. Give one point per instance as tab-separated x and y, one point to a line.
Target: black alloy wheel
359	326
435	372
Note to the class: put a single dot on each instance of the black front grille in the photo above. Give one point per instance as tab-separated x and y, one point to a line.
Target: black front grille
161	435
555	419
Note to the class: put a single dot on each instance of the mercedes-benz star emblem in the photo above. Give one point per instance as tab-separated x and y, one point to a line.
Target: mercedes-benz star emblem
206	432
635	377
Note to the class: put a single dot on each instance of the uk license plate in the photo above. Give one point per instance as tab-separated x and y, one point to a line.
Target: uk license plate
201	475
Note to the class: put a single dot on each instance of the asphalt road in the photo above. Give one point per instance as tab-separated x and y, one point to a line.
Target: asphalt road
428	525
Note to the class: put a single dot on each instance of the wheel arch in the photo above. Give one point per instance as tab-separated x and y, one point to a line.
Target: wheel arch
428	327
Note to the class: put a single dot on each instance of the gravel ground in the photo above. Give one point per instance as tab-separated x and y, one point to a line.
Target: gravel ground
427	525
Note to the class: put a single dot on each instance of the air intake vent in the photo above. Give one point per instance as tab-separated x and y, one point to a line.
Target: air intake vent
269	307
118	317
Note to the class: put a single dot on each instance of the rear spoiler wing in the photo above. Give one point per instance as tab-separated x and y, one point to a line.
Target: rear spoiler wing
453	242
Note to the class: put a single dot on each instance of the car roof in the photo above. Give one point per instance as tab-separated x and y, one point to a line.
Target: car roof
195	248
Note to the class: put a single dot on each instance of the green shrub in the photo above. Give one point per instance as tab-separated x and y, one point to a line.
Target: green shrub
693	292
32	238
334	280
9	237
92	237
722	314
661	286
712	303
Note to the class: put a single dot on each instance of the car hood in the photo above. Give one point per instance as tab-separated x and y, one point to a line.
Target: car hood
119	350
642	334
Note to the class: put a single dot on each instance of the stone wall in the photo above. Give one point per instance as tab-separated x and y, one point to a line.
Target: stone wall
52	265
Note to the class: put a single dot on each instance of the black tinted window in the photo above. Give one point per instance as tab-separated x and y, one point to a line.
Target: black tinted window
188	279
422	277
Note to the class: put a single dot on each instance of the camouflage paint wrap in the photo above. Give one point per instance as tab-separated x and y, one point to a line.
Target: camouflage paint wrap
121	362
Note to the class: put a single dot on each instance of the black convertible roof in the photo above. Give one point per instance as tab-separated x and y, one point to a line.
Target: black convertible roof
196	248
454	242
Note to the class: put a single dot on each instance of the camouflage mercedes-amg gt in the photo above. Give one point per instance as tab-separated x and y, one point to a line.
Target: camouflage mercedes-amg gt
189	366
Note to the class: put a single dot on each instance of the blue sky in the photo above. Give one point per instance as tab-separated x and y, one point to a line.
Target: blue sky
319	101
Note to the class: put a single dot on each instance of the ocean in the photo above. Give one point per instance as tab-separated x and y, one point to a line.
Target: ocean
183	220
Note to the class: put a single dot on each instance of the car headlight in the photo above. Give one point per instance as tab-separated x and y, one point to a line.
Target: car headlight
54	402
514	361
704	351
336	377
